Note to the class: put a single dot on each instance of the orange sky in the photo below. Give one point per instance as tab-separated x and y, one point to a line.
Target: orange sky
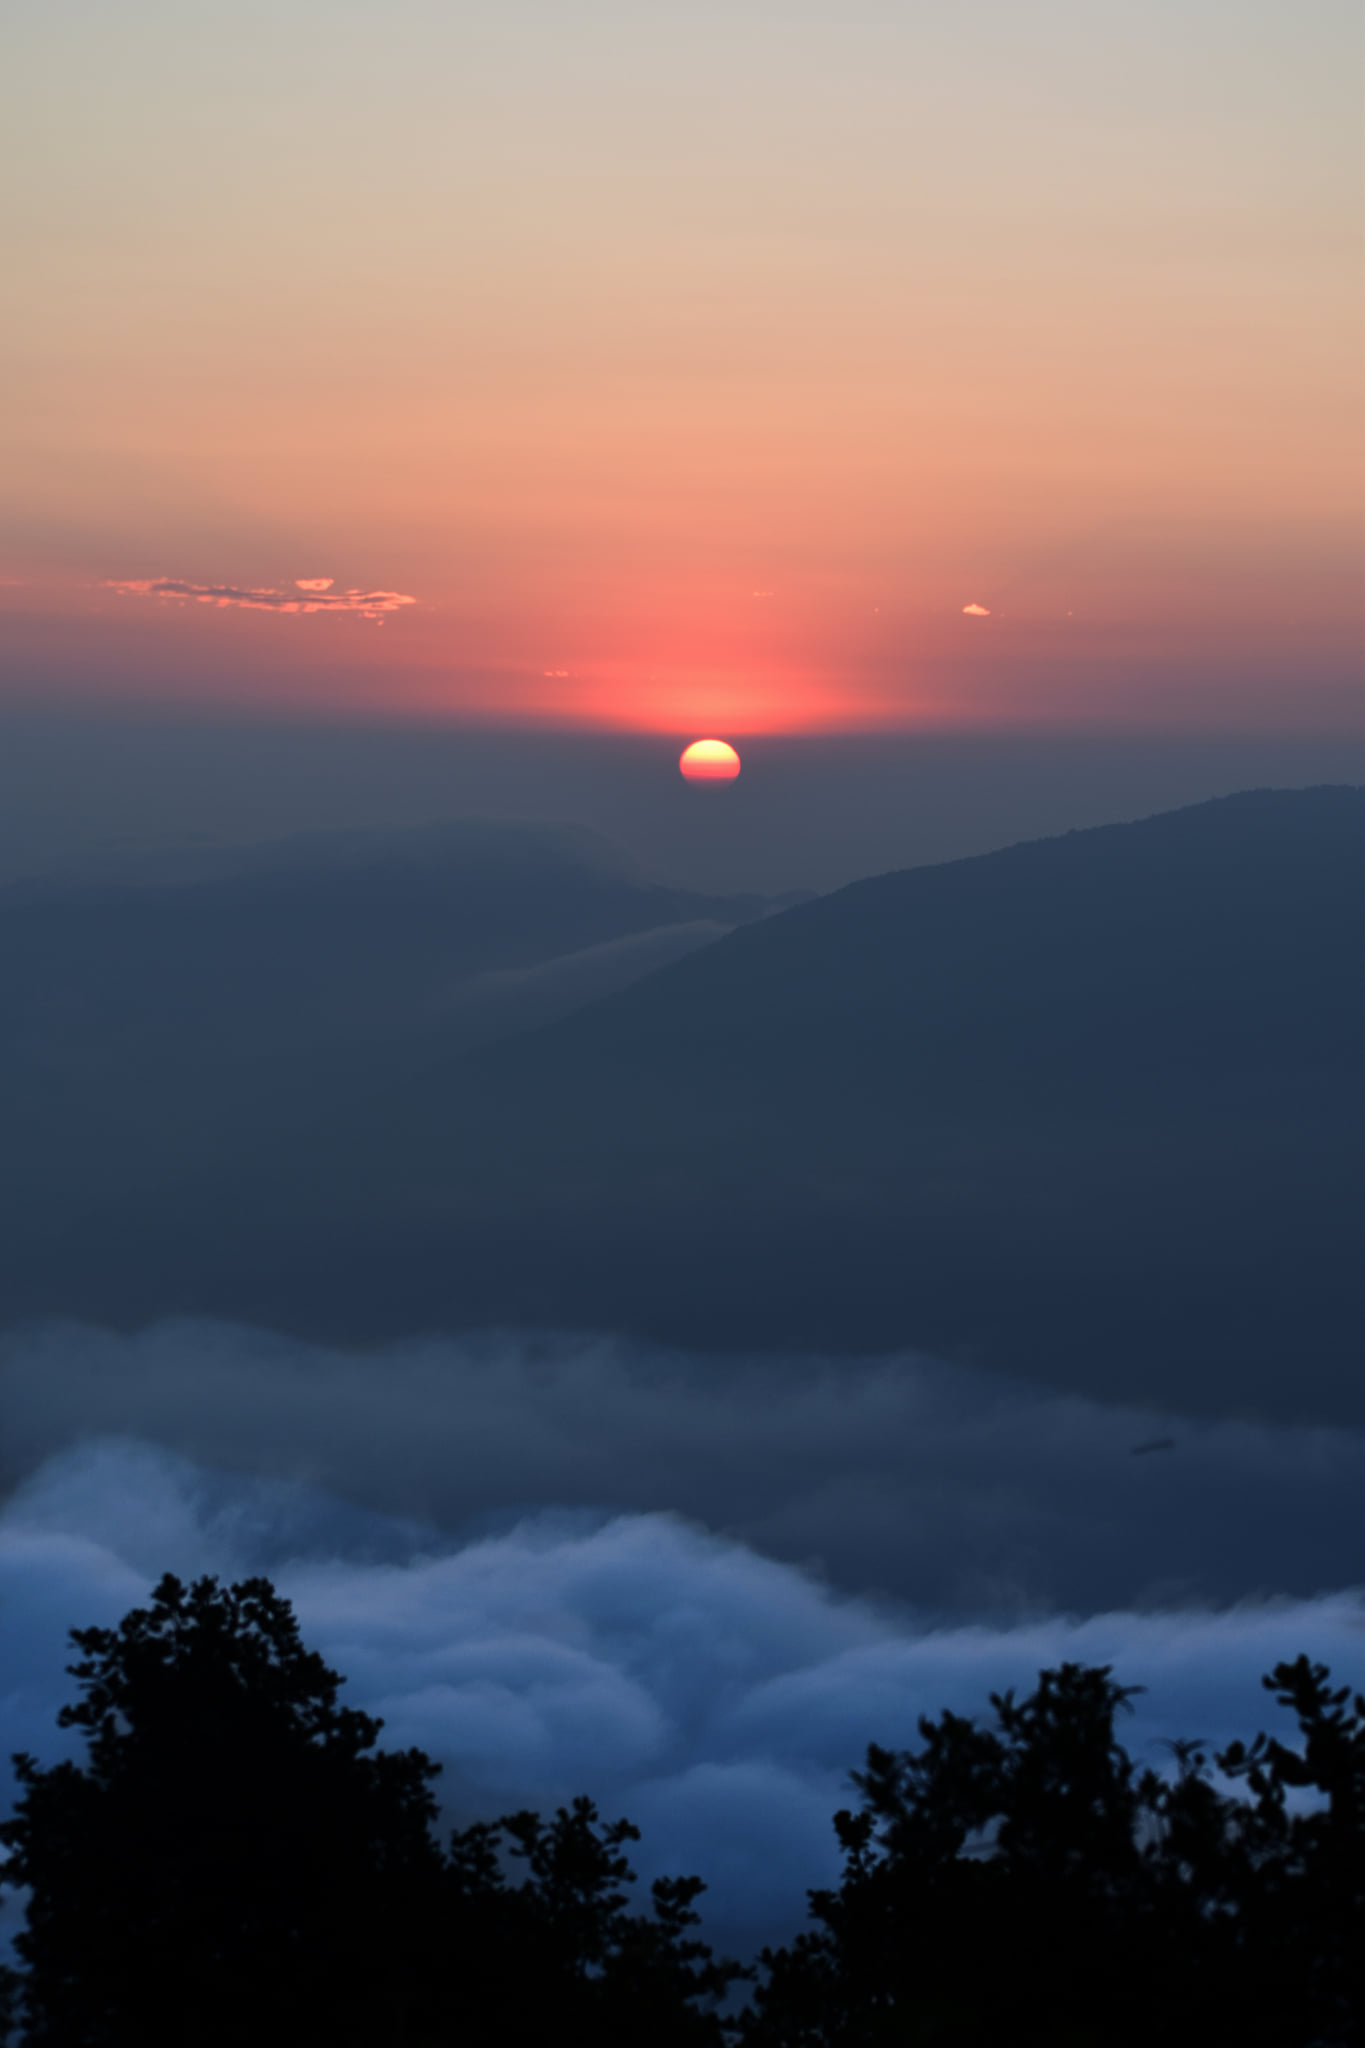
689	368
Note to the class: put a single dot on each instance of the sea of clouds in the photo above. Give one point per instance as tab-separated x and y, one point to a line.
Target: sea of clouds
693	1589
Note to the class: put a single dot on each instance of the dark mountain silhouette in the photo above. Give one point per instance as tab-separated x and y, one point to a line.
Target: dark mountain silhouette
1088	1108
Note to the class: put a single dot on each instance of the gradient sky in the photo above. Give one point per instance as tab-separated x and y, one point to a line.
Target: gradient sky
690	367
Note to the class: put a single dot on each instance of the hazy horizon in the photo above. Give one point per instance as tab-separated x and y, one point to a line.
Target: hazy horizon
79	788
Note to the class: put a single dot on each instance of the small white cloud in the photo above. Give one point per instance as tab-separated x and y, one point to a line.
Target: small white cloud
314	582
976	611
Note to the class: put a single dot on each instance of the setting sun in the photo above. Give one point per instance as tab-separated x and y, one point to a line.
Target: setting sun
709	761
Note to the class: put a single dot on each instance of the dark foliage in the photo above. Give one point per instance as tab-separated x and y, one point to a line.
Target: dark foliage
1028	1884
237	1861
554	1949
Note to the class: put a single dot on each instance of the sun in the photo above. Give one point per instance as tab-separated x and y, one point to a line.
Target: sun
709	761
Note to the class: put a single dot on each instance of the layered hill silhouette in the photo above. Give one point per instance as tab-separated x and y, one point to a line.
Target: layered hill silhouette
159	1018
1087	1109
328	938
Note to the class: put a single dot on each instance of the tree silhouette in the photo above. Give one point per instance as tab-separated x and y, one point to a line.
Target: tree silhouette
1302	1866
1027	1883
557	1952
237	1861
234	1848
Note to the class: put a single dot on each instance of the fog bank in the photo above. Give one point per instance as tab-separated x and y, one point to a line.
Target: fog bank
941	1486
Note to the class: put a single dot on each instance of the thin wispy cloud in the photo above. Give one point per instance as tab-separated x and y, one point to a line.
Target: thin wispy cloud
319	595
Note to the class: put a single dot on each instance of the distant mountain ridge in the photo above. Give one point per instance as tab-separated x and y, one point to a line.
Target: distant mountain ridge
1088	1108
163	1018
324	936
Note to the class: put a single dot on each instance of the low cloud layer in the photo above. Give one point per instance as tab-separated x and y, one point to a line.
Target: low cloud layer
715	1695
958	1492
319	596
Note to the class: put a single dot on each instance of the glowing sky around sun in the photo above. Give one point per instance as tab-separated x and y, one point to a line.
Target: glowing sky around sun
738	367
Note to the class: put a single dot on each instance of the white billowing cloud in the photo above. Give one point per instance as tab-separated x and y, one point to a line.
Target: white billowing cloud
715	1695
976	611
